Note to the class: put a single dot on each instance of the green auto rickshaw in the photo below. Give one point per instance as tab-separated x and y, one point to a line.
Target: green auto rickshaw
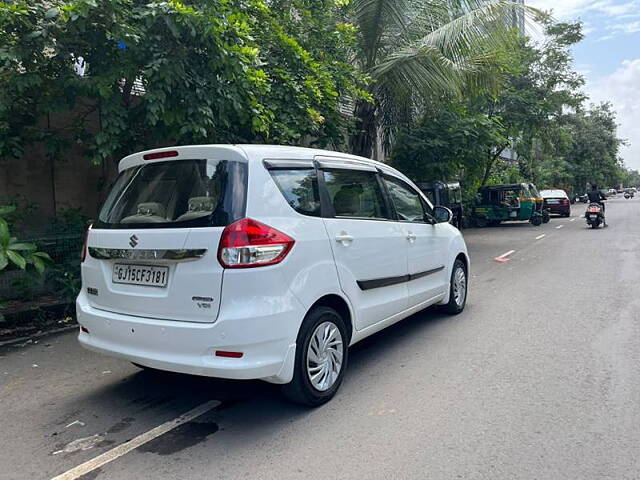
501	203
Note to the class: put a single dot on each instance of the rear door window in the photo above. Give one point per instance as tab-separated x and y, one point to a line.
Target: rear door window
299	188
179	193
355	194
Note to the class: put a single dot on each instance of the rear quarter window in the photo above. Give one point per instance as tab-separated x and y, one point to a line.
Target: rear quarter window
299	188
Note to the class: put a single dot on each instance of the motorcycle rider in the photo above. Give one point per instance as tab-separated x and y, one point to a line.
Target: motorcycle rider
596	196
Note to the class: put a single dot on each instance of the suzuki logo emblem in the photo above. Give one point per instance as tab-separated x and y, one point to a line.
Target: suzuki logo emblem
133	240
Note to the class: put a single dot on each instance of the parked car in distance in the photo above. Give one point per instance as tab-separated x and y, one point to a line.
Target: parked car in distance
261	262
446	194
612	192
557	202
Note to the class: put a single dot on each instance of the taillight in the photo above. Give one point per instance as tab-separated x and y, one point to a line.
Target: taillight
83	255
157	155
248	243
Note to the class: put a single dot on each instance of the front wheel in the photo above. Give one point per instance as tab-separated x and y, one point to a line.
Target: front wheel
457	289
321	358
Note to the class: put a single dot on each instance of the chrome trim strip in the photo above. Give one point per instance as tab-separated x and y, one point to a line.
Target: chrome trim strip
131	254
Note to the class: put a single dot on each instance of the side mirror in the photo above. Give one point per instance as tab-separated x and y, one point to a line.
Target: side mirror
442	214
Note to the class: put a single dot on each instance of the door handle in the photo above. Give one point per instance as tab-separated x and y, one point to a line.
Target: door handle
344	238
411	237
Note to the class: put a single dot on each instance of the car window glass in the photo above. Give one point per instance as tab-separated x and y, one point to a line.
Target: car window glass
170	194
355	194
408	203
300	189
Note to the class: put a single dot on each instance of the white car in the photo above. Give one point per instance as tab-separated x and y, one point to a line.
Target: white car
261	262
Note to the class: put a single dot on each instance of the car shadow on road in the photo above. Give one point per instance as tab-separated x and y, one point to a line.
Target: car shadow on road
251	409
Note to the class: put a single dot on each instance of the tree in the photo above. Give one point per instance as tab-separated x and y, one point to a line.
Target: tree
447	144
161	73
594	148
419	50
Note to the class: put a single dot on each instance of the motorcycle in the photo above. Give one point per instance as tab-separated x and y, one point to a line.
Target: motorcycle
627	195
594	215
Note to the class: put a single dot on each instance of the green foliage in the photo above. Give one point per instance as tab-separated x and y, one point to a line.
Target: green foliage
630	178
69	222
160	73
447	144
537	107
420	51
16	254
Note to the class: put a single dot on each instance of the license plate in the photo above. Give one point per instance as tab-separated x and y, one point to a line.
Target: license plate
593	217
553	202
140	275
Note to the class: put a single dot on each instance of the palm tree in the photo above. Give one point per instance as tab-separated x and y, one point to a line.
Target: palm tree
418	50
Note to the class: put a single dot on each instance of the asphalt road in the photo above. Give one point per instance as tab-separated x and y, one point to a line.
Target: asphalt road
538	379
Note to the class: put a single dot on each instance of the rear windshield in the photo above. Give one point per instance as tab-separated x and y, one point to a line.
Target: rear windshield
179	193
553	194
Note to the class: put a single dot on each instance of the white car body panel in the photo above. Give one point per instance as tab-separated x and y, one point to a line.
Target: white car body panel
259	311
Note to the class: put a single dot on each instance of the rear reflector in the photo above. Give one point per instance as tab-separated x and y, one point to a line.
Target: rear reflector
222	353
157	155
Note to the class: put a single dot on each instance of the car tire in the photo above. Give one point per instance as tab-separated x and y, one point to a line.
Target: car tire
457	303
304	389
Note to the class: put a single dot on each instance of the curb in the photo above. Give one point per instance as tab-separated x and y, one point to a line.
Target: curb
38	335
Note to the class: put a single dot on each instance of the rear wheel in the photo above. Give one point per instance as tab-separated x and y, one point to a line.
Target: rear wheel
457	289
537	220
321	358
546	217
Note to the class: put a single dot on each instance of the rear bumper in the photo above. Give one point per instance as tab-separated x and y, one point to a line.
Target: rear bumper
267	342
559	209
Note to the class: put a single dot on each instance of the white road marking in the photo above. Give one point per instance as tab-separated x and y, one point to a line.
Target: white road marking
572	220
503	258
540	237
134	443
559	227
